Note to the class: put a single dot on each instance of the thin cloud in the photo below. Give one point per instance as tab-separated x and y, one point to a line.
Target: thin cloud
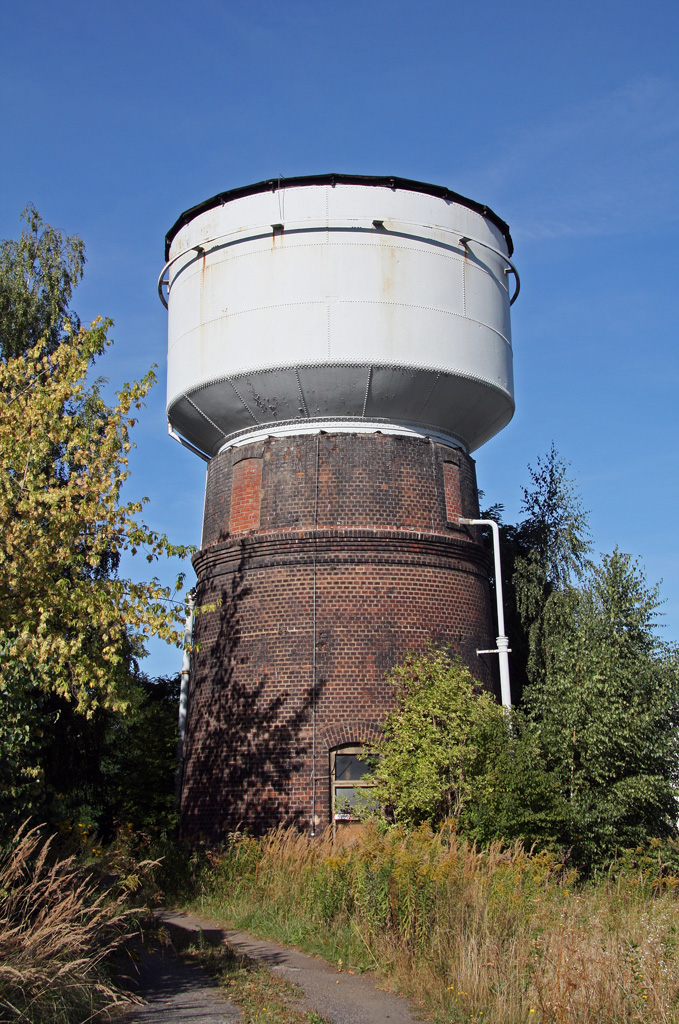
605	167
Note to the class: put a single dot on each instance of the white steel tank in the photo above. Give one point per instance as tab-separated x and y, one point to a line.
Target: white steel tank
338	302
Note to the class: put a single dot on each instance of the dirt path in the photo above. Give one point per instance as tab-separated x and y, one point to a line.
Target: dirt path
340	997
175	992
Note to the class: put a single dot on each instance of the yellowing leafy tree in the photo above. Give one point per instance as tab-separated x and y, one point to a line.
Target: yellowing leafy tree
71	629
66	621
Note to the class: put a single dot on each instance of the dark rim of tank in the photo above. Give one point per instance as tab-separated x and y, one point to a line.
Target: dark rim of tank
273	184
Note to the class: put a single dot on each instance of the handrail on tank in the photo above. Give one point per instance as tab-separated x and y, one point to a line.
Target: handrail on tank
510	269
198	249
201	249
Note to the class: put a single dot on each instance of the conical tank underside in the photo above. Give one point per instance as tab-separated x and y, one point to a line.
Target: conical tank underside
343	302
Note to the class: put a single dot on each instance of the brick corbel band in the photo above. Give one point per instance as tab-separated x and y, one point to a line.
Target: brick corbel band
385	547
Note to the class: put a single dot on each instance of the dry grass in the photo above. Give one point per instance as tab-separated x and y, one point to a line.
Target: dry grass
56	934
495	935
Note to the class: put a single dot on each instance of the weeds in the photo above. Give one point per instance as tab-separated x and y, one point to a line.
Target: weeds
57	932
498	934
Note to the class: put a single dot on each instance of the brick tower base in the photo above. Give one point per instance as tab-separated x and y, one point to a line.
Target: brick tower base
325	558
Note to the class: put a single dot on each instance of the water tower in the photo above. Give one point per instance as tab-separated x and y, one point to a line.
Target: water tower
338	346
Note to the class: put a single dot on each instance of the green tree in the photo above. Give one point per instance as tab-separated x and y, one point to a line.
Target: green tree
516	793
450	751
545	553
591	763
553	548
140	759
22	733
115	767
38	273
429	746
554	525
598	686
607	707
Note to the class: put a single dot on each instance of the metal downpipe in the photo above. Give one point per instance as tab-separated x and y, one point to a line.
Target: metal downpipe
503	649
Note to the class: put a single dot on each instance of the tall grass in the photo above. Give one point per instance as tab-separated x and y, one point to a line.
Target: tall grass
473	935
57	932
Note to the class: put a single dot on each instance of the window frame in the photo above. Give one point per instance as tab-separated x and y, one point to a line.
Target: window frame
362	751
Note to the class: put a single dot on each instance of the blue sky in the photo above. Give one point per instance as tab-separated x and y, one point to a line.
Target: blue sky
116	117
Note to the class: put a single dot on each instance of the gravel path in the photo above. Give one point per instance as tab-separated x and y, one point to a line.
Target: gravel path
341	997
176	992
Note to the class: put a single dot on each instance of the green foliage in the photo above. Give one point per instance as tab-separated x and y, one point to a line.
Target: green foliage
449	751
430	749
551	550
516	794
590	765
555	526
22	733
600	690
607	706
38	273
94	771
115	768
139	763
547	551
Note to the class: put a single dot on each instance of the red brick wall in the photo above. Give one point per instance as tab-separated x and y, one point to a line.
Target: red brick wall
356	559
451	483
246	495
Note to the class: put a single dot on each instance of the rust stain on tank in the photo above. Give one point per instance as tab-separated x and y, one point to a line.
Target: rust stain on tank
389	262
203	266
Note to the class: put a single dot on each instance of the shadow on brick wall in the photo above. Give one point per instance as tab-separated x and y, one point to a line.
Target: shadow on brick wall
245	739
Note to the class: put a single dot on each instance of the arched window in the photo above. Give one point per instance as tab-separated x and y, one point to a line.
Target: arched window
349	766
